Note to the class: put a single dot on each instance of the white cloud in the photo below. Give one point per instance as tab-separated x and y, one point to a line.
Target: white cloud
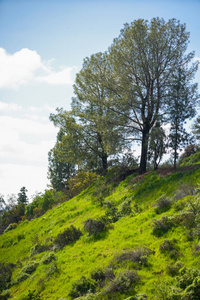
8	107
26	138
26	66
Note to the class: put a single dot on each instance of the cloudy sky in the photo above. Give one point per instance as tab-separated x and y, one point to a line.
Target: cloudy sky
42	47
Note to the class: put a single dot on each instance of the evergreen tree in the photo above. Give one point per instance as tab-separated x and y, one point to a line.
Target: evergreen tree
182	106
22	196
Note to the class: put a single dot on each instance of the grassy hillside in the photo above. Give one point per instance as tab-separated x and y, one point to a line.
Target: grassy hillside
141	242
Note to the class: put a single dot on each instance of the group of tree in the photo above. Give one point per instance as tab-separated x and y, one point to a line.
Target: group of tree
130	94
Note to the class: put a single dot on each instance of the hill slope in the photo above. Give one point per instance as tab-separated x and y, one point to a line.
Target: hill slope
140	242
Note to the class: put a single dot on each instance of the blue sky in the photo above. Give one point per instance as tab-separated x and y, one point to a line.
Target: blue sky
42	47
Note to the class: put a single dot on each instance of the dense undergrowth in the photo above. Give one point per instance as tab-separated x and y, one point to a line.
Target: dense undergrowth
137	239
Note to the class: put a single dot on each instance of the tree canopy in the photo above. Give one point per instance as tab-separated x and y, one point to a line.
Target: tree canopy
144	79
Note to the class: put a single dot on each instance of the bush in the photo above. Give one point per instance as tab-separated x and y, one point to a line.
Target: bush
70	235
163	204
122	283
82	286
32	295
11	227
94	227
5	275
5	295
38	248
139	256
98	275
137	297
48	258
161	226
170	247
125	208
21	277
29	268
173	269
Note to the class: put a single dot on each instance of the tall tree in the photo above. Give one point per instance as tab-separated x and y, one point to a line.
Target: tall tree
87	132
196	128
182	99
59	171
145	56
22	196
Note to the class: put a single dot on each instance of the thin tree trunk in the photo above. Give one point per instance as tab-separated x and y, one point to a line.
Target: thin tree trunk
144	150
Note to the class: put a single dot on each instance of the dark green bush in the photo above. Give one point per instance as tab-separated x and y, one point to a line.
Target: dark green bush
125	208
123	282
49	258
94	227
170	248
5	295
5	275
29	268
38	248
98	275
32	295
173	269
70	235
163	225
82	286
113	215
137	297
21	277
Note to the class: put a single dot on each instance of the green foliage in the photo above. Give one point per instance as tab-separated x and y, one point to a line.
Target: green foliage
191	160
22	197
163	225
38	248
82	286
94	227
70	235
29	268
32	295
11	227
170	248
5	275
5	295
123	282
49	257
163	204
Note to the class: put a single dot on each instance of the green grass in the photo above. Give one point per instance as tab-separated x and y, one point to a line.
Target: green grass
55	280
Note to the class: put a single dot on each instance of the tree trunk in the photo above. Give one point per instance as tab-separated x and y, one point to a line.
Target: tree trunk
105	162
144	150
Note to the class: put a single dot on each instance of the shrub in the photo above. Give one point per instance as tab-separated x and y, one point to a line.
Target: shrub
161	226
5	295
94	227
137	297
82	286
122	283
11	227
163	204
113	215
125	208
139	256
32	295
29	268
70	235
48	258
98	275
173	269
21	277
38	248
170	247
5	275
